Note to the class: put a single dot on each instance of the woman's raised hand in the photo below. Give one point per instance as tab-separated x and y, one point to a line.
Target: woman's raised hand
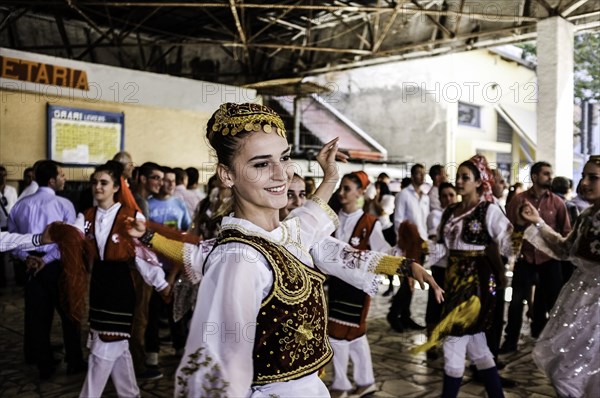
529	213
327	157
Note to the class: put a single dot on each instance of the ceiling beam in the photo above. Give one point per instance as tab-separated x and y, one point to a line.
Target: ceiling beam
241	33
12	17
444	29
269	24
126	32
457	39
236	19
90	47
63	35
549	9
376	26
570	9
593	14
92	24
352	29
141	50
305	7
386	30
459	17
228	44
421	54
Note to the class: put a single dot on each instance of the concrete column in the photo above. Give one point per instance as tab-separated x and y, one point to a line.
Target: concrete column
555	94
297	116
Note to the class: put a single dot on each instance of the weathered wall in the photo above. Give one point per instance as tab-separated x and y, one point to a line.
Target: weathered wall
411	107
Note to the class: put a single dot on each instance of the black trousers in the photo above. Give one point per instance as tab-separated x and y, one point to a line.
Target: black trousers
493	335
152	339
433	313
400	307
41	299
547	278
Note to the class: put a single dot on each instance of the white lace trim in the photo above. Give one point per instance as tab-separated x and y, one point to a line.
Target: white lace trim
110	333
330	213
187	264
354	325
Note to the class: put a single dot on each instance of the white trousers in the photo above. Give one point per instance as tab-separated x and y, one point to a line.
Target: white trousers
455	349
307	386
109	359
359	352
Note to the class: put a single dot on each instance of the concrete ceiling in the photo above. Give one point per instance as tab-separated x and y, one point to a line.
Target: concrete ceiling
241	42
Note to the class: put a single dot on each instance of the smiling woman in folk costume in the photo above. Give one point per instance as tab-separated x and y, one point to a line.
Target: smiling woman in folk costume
112	293
466	229
259	327
567	349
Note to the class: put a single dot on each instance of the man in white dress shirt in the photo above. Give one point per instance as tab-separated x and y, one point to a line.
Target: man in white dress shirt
437	172
411	205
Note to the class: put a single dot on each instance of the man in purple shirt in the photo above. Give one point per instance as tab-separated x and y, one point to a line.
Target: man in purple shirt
533	266
31	215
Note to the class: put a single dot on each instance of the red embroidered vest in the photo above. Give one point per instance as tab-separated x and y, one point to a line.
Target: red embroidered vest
115	249
348	305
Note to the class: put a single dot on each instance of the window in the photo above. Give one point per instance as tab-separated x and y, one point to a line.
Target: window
469	115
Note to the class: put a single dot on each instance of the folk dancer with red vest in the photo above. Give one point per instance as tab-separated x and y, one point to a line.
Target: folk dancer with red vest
112	291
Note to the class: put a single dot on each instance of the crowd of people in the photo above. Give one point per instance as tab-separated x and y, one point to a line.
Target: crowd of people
266	278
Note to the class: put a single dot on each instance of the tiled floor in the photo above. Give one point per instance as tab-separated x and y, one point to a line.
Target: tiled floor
397	372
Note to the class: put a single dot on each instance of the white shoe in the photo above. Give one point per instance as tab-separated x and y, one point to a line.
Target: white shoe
364	391
338	394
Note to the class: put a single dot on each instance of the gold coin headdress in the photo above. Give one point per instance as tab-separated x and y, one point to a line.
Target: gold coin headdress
233	118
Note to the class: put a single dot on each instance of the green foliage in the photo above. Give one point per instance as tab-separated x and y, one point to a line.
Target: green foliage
587	65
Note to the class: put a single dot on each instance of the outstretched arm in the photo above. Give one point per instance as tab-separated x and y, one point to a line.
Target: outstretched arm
359	267
406	267
10	241
543	237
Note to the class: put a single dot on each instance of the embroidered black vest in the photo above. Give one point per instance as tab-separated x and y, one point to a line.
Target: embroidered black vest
474	229
291	327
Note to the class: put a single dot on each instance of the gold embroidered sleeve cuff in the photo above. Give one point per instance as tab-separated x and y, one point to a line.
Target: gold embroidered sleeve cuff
330	213
392	265
171	249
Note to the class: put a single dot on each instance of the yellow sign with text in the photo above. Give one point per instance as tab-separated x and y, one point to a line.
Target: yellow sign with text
37	72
